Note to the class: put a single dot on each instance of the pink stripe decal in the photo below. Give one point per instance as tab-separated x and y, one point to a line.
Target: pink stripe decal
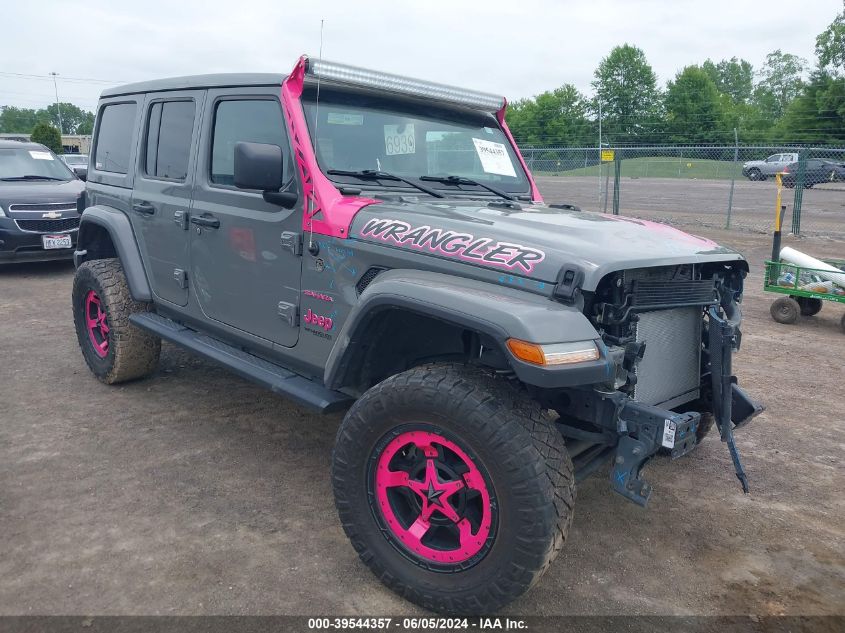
327	211
535	192
463	246
669	231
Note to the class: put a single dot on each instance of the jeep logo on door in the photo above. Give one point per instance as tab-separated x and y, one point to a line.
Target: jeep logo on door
321	321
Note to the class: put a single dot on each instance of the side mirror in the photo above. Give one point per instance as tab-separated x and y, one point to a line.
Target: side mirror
258	166
261	166
82	175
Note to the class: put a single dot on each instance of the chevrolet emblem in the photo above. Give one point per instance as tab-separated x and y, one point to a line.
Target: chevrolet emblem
51	215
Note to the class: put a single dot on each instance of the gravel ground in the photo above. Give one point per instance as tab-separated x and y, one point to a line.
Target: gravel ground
685	202
194	492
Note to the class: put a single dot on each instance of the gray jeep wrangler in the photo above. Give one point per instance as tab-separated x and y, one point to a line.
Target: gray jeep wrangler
359	241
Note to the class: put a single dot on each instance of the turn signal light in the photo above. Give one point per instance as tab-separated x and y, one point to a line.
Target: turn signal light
554	353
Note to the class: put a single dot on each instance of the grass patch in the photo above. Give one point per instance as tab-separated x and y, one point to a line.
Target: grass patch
650	167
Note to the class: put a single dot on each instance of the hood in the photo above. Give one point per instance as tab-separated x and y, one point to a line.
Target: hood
535	242
34	192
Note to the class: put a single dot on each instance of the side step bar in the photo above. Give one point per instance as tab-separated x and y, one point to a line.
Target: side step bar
298	388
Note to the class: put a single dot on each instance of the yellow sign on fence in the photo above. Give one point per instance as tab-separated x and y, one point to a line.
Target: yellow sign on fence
607	155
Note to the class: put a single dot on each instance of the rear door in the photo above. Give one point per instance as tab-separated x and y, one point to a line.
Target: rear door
245	269
164	184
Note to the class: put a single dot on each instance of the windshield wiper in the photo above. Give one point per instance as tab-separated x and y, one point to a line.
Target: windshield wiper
30	177
460	180
372	174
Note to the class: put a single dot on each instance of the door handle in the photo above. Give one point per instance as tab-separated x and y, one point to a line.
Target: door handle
143	207
206	220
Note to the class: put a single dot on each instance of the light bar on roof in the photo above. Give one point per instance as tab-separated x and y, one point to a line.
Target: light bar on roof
352	75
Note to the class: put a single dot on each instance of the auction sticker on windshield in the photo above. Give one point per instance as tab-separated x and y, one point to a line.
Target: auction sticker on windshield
494	158
399	139
41	155
345	118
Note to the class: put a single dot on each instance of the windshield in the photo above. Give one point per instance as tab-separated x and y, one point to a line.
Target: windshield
357	132
40	164
76	159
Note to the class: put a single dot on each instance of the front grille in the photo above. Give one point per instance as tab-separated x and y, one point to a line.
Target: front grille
48	206
670	371
48	226
680	292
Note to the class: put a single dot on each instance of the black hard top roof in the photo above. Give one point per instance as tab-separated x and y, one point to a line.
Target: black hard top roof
219	80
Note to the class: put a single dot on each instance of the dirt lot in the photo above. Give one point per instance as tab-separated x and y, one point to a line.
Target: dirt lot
194	492
687	202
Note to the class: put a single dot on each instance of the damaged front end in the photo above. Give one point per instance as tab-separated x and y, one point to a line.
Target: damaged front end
671	332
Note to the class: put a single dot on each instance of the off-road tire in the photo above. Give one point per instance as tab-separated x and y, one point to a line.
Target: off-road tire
132	352
810	306
516	444
785	310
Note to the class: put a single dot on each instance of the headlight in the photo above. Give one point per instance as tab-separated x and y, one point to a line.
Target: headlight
554	354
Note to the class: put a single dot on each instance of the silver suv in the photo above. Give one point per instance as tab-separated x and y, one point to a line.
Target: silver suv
762	169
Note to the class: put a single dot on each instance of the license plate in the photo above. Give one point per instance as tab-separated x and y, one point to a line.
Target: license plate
56	241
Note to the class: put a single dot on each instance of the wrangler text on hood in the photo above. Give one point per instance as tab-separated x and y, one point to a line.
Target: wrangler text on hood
463	246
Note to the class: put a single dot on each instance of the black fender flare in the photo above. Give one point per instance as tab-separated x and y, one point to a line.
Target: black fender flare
117	225
496	311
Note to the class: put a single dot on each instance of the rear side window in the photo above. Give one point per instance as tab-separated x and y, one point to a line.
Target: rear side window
254	121
170	127
114	138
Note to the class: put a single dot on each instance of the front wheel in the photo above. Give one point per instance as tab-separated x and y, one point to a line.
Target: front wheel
453	486
785	310
114	349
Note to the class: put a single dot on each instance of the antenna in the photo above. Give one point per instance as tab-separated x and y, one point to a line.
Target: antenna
316	141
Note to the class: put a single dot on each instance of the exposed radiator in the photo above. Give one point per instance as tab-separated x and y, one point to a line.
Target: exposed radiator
689	292
669	372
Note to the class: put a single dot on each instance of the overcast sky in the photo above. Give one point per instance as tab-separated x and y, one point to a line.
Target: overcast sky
513	47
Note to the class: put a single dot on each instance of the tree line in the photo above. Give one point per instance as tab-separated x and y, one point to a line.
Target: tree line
74	120
786	100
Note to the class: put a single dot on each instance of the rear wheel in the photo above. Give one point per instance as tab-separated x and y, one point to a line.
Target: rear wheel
453	486
809	305
114	349
785	310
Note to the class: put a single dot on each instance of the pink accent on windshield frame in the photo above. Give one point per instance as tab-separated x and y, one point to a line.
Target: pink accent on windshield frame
326	210
500	116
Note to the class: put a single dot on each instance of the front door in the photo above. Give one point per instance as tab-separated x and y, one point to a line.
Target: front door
245	267
163	187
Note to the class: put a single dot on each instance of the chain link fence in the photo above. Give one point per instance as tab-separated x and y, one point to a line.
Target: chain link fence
723	187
